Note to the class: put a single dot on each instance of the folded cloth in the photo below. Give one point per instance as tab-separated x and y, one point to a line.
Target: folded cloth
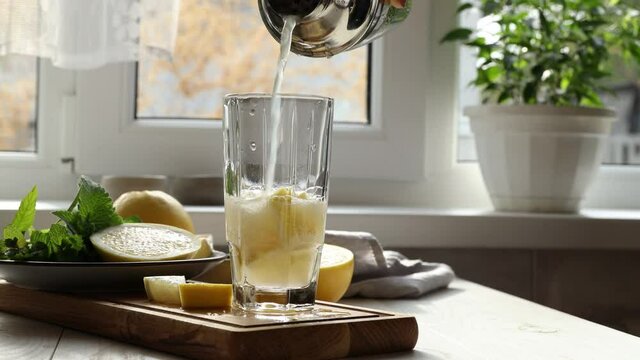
387	274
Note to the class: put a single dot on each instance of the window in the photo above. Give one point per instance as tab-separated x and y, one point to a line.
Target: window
152	113
18	89
624	142
406	155
613	188
211	61
34	101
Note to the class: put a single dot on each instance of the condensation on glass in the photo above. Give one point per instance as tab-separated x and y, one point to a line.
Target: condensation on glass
18	94
223	47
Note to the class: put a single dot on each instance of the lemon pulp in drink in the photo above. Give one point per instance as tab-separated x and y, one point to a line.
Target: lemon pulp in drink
275	239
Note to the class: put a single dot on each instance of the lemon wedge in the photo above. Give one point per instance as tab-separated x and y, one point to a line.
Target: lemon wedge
205	295
145	242
336	270
155	207
164	289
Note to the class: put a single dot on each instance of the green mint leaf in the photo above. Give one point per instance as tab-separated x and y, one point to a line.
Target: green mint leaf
11	232
56	244
230	182
70	218
95	207
72	249
57	234
23	220
41	245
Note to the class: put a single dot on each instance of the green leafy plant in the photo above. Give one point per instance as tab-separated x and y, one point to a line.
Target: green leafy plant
66	240
556	52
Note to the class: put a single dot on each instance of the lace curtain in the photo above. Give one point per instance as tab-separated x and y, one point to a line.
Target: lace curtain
84	34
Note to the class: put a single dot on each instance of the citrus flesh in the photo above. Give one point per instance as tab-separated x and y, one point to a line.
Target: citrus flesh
164	289
145	242
336	270
155	207
206	247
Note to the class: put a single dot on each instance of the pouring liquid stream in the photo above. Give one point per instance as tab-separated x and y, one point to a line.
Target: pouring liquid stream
276	100
276	234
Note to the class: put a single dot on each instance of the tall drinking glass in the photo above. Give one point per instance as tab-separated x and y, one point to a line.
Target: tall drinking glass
275	228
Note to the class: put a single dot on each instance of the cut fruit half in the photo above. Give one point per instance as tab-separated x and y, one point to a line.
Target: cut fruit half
145	242
336	270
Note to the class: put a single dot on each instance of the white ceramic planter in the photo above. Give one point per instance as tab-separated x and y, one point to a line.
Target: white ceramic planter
539	158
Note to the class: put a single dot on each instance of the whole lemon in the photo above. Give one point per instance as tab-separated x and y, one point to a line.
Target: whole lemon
155	207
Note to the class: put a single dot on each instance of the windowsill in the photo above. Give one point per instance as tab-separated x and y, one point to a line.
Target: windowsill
433	228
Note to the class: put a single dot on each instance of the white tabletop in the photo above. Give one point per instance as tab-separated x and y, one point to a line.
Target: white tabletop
466	321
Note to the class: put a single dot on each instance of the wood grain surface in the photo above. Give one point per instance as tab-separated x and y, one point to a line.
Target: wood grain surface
467	321
333	331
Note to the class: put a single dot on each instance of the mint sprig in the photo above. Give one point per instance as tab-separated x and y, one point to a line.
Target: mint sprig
67	240
91	211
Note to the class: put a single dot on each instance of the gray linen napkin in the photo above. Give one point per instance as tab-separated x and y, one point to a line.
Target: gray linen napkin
387	274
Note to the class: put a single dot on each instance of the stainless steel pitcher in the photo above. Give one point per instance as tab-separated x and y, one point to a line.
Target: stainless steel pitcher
329	27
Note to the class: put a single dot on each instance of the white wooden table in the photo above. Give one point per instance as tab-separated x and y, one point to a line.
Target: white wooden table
466	321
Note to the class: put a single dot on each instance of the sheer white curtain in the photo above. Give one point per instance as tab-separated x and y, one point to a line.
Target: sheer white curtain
83	34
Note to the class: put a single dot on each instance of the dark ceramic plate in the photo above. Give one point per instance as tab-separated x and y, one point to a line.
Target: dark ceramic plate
99	276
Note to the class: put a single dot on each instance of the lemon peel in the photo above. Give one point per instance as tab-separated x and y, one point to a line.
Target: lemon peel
155	207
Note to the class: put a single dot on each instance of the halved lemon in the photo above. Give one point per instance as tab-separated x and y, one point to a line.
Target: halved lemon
145	242
336	270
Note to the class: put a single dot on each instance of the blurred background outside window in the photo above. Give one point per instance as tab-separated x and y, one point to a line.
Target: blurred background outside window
223	47
18	87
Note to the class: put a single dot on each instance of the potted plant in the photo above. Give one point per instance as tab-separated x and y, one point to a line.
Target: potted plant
542	65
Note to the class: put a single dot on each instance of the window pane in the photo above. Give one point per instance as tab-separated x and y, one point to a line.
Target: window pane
624	142
223	47
18	84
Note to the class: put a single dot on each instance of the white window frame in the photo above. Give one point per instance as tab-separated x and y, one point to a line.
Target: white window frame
615	187
21	171
388	148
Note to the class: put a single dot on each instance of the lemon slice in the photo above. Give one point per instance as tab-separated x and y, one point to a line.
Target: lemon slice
164	289
145	242
336	270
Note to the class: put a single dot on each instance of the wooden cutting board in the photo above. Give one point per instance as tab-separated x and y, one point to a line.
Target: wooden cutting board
333	331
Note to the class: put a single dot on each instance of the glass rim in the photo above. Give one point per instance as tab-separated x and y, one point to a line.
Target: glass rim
283	95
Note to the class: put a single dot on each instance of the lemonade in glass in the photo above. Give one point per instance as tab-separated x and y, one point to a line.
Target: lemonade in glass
276	232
